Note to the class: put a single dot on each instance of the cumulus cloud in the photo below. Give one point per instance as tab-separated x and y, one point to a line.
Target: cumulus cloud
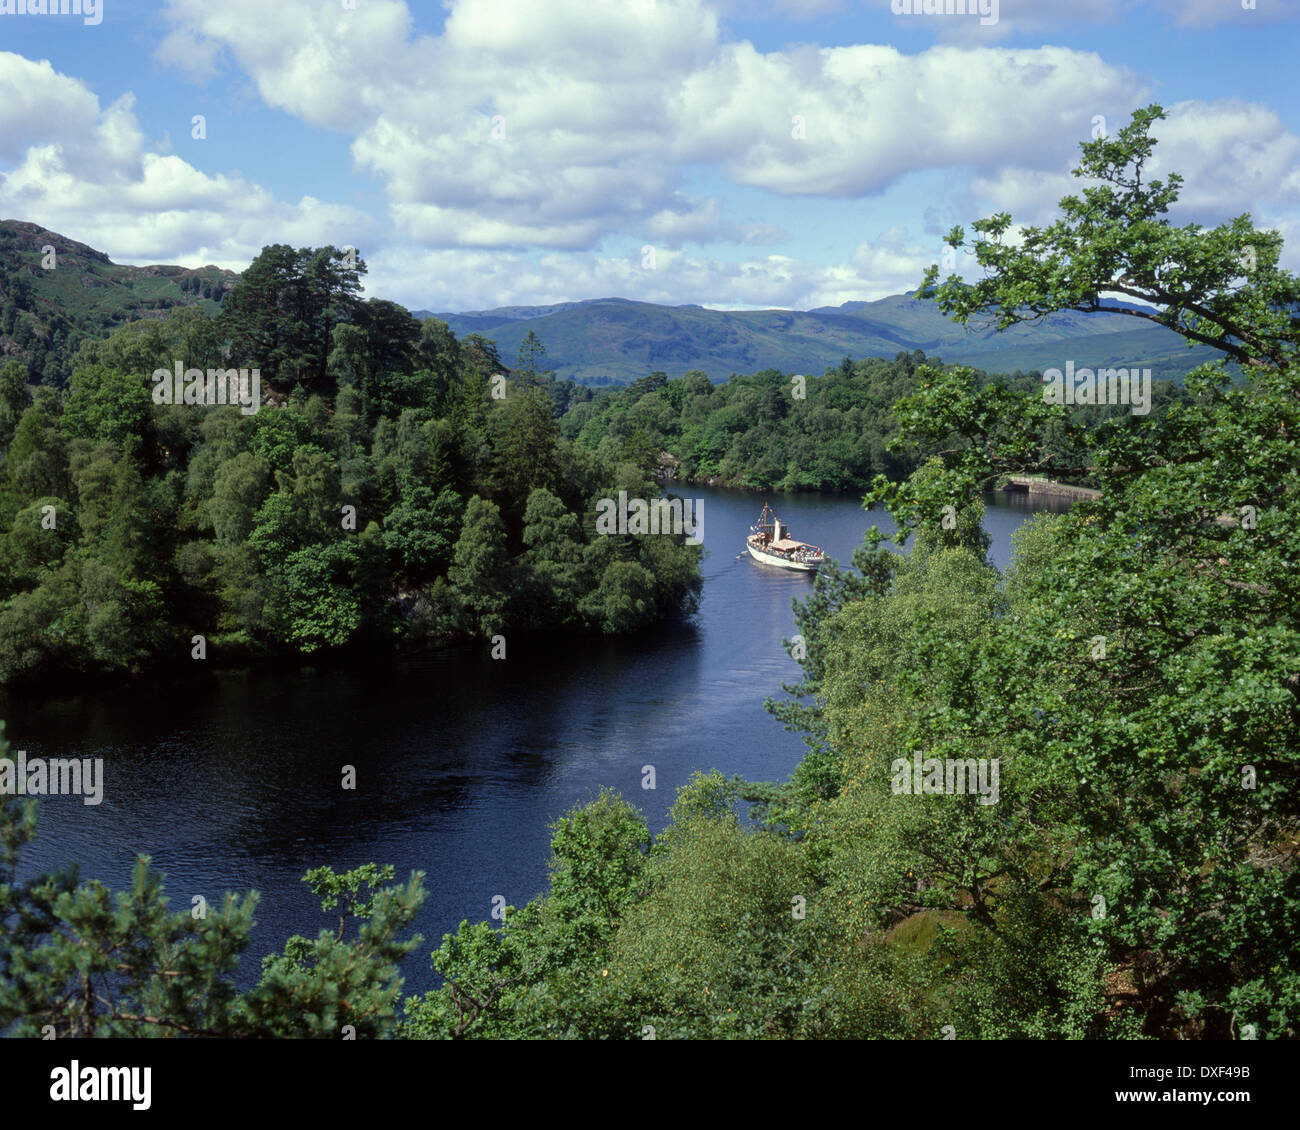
871	114
85	171
35	99
557	123
458	279
1233	156
987	21
526	137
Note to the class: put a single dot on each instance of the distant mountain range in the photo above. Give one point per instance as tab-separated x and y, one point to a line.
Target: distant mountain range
624	340
45	313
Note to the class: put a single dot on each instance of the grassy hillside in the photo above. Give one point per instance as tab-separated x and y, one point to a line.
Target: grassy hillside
47	311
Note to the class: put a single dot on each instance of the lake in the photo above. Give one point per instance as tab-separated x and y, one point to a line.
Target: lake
461	761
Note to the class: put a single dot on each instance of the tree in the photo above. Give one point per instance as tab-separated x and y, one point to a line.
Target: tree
37	631
332	285
531	352
392	335
349	359
13	400
30	550
1221	287
438	354
554	543
88	962
36	463
126	527
315	493
320	606
328	988
239	489
262	315
421	532
525	436
197	338
1151	731
625	599
529	978
713	950
478	573
281	314
114	512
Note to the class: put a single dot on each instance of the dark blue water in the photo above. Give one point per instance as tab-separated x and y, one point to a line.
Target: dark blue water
461	761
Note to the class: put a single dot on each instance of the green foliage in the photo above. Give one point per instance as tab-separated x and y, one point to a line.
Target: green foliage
281	314
238	491
83	961
1131	679
624	600
108	405
174	520
539	974
48	316
715	949
1222	287
478	570
318	595
420	532
1146	746
763	431
329	988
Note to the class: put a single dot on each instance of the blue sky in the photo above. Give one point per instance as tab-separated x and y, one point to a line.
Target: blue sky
643	148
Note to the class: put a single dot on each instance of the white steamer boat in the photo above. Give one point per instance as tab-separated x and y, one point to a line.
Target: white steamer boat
769	543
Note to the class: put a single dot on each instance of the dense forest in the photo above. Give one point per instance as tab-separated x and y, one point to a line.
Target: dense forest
778	431
392	485
1135	674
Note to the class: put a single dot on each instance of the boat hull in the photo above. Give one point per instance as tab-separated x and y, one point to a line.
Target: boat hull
781	562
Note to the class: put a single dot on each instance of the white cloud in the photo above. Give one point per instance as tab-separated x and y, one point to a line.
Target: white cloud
458	279
872	114
1233	156
37	102
84	171
556	123
530	134
1004	17
324	63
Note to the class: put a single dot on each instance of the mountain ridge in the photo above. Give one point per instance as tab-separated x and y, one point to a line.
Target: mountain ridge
46	313
49	304
624	339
